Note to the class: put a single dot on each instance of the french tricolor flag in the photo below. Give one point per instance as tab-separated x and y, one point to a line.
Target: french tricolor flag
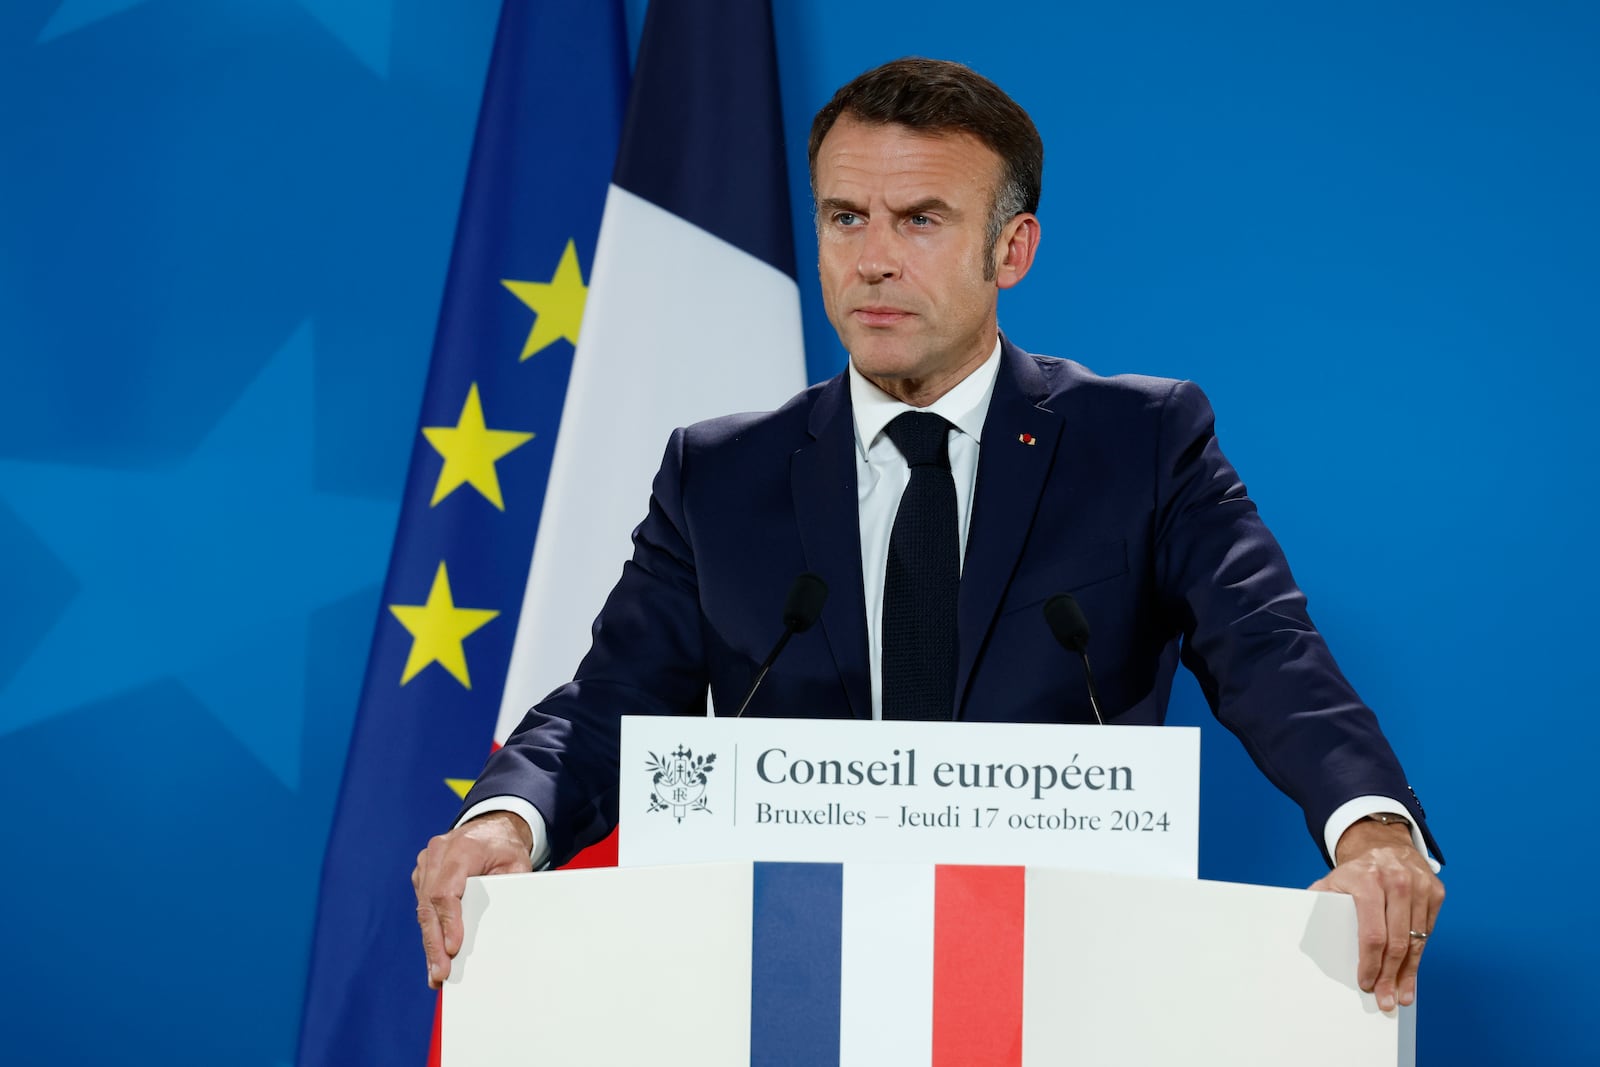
876	964
693	311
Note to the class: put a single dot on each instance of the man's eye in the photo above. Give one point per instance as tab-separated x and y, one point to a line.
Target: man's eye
921	220
846	218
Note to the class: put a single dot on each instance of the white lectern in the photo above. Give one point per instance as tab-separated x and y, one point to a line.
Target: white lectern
886	964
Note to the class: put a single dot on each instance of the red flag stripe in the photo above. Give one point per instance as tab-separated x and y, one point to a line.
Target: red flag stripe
977	966
602	853
435	1044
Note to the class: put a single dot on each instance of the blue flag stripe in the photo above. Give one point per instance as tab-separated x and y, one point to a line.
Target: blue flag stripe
794	967
704	138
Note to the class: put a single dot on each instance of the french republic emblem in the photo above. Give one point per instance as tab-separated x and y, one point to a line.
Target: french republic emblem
679	782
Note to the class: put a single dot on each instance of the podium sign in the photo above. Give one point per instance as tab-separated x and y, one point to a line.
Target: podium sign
1120	799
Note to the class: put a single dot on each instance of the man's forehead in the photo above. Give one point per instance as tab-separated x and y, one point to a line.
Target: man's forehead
854	130
855	151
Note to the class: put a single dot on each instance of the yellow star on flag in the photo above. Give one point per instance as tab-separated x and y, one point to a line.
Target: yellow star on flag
470	450
557	303
437	629
460	786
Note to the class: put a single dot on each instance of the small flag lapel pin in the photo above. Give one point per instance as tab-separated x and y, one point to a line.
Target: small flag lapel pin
1027	438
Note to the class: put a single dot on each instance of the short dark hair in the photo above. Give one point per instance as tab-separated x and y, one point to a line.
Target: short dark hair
938	96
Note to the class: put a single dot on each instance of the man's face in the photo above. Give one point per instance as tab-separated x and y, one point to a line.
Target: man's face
901	247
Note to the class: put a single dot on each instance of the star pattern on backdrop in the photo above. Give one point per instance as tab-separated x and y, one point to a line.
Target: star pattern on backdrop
166	588
438	629
470	450
557	303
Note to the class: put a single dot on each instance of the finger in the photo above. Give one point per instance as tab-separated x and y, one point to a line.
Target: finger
1425	916
445	888
1371	930
1435	902
1396	889
448	908
432	940
1407	981
423	879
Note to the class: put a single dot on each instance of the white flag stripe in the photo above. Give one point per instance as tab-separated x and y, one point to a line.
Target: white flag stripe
886	965
679	326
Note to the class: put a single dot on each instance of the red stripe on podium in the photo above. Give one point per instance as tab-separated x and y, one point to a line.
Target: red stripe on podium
977	966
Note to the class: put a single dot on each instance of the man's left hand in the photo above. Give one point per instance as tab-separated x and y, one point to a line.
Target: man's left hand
1396	895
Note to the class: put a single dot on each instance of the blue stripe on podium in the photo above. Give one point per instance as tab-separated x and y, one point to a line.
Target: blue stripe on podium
794	965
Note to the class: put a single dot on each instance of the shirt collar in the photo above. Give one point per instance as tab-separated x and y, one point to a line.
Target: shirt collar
964	406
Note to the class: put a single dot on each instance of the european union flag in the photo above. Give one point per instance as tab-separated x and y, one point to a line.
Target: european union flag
513	304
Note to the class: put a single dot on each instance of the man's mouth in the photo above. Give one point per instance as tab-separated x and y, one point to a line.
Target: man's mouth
880	316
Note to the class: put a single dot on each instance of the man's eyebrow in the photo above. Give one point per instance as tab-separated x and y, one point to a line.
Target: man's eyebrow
932	204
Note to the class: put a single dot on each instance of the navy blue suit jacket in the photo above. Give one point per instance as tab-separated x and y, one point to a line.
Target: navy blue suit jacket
1123	498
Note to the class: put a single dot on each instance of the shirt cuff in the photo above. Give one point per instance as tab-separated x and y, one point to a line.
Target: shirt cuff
529	814
1351	812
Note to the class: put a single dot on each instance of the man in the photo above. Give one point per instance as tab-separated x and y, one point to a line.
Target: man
985	480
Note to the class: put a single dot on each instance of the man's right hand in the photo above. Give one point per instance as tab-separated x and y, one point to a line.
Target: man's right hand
495	843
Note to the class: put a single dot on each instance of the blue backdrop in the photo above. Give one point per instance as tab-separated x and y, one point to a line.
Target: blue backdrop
1369	230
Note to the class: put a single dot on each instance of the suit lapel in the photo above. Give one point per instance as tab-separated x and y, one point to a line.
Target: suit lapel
1011	477
825	471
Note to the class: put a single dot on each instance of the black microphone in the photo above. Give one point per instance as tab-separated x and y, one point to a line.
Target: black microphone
1071	629
800	610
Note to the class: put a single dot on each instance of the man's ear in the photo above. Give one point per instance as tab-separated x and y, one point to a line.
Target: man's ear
1015	249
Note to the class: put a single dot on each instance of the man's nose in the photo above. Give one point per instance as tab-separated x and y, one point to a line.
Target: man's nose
880	253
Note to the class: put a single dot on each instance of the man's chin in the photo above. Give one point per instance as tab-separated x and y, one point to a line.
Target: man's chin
878	352
879	366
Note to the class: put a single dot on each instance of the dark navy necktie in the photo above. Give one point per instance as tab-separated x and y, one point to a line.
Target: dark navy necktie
923	574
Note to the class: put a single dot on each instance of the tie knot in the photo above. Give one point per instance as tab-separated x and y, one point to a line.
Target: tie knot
921	437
